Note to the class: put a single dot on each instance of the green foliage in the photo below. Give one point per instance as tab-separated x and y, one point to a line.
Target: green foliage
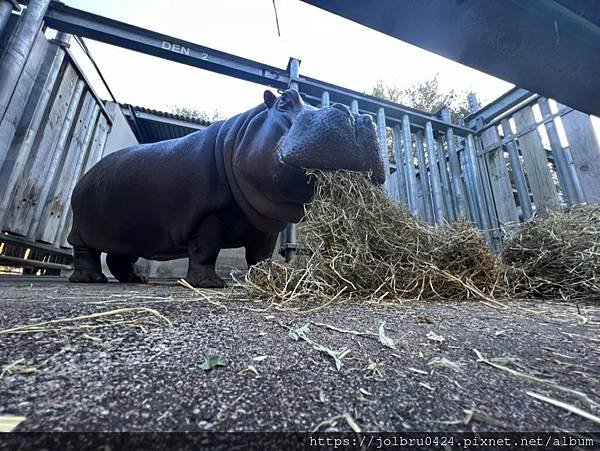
426	96
194	113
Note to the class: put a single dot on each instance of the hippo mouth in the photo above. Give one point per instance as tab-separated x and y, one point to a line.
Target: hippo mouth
332	139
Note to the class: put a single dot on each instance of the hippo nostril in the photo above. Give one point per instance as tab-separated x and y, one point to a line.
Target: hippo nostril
343	108
365	119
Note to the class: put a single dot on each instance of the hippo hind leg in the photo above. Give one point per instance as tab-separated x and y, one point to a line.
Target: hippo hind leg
203	252
86	266
123	268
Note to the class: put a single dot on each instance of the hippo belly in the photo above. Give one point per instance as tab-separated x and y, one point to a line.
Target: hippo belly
147	200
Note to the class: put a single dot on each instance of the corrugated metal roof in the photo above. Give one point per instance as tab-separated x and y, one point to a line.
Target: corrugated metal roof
150	125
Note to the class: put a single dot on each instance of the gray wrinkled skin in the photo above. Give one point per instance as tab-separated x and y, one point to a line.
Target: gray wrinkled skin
235	184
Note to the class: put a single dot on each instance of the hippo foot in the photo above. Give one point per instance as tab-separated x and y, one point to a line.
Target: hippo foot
204	281
79	276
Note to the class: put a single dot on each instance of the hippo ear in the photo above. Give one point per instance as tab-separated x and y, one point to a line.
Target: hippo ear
269	98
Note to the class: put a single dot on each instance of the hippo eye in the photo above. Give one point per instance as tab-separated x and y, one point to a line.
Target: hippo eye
285	103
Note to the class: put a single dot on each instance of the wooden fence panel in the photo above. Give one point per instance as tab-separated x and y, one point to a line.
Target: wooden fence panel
19	99
58	199
536	163
501	189
94	155
23	142
585	149
34	182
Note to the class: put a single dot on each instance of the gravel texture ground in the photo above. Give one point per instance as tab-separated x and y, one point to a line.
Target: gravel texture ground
440	370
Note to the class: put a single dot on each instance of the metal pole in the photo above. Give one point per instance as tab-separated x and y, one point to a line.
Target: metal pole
289	236
325	99
517	170
402	197
409	166
445	179
6	9
436	188
384	148
479	194
354	106
455	171
18	49
424	178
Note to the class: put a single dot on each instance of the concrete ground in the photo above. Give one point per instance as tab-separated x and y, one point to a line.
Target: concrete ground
447	366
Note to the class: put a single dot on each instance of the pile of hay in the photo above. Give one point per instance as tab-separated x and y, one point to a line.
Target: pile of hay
558	256
360	244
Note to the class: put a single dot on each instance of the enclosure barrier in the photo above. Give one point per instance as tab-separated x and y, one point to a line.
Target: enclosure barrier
509	162
52	130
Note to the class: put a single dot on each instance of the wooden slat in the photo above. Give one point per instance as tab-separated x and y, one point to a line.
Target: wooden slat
500	185
95	154
560	159
35	179
536	163
585	151
19	99
517	171
23	143
57	202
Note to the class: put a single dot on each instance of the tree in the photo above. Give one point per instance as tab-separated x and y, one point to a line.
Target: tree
194	113
426	96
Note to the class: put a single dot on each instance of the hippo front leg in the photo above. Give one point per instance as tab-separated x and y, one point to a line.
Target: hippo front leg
204	251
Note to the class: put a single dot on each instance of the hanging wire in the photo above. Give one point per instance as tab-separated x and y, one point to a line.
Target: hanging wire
276	19
87	52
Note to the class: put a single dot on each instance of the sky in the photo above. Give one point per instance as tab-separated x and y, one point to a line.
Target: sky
331	49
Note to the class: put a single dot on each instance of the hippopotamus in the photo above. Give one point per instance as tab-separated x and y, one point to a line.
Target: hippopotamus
236	183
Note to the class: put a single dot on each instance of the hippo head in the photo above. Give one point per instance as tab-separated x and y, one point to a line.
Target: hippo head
273	145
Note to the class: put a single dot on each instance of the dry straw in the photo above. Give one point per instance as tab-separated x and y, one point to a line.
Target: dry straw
359	244
558	256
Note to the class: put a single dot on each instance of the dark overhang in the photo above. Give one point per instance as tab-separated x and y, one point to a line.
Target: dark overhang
550	47
151	125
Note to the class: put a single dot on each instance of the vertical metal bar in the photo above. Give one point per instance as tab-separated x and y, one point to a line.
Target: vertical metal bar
470	203
6	8
294	73
427	214
354	106
446	190
562	166
18	48
455	171
517	171
325	99
436	188
494	231
398	155
478	194
384	149
579	193
289	236
409	165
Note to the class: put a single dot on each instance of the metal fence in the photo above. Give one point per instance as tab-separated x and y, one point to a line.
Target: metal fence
511	160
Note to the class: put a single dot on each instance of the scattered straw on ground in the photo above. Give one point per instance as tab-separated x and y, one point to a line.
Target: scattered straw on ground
359	244
559	256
